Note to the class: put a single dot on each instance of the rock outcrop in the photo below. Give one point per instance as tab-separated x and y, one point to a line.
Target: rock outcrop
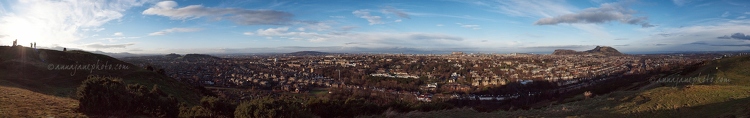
599	50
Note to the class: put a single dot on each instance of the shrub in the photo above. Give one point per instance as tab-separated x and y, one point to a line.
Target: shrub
209	107
110	96
268	107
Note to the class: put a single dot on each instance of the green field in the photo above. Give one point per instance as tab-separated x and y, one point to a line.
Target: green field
319	91
18	102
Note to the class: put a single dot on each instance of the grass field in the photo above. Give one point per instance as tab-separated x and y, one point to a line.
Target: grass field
18	102
319	91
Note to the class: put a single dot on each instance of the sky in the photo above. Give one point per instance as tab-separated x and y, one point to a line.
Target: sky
486	26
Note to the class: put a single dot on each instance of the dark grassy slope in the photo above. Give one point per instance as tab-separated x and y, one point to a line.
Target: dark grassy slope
34	70
16	102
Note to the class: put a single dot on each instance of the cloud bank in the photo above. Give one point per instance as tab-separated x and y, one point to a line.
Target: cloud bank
105	46
370	18
59	22
369	39
605	13
740	36
173	30
239	16
398	12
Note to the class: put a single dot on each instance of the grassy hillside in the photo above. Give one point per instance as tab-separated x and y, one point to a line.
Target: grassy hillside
693	99
51	72
24	103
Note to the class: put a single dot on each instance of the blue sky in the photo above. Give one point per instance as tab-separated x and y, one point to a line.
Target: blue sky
492	26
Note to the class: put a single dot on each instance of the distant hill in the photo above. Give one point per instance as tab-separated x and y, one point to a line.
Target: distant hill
565	52
300	53
198	56
599	50
58	73
173	55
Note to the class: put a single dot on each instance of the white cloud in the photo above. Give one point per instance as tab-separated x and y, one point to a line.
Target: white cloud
248	33
337	16
114	39
369	39
467	17
315	25
272	31
370	18
747	13
173	30
105	46
373	19
540	9
725	14
398	12
347	28
530	8
118	34
741	17
474	27
59	22
605	13
92	29
700	37
439	25
239	16
680	2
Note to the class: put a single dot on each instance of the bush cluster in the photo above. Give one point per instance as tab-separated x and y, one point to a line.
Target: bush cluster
112	97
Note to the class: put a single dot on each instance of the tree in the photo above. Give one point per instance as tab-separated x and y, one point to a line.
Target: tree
161	71
210	107
268	107
109	96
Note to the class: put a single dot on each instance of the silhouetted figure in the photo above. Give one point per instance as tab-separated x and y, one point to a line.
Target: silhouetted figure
34	44
31	45
15	42
65	49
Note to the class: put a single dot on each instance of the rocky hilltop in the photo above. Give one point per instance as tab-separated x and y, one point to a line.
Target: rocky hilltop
564	52
599	50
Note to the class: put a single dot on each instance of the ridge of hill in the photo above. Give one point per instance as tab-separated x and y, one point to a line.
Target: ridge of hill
60	73
308	53
598	50
199	56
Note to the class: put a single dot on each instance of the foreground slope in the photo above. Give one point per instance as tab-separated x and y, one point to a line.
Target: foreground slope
58	74
24	103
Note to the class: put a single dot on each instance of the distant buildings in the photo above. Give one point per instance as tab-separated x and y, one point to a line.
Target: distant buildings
454	73
457	53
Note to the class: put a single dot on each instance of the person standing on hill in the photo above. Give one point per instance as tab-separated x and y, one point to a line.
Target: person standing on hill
14	42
